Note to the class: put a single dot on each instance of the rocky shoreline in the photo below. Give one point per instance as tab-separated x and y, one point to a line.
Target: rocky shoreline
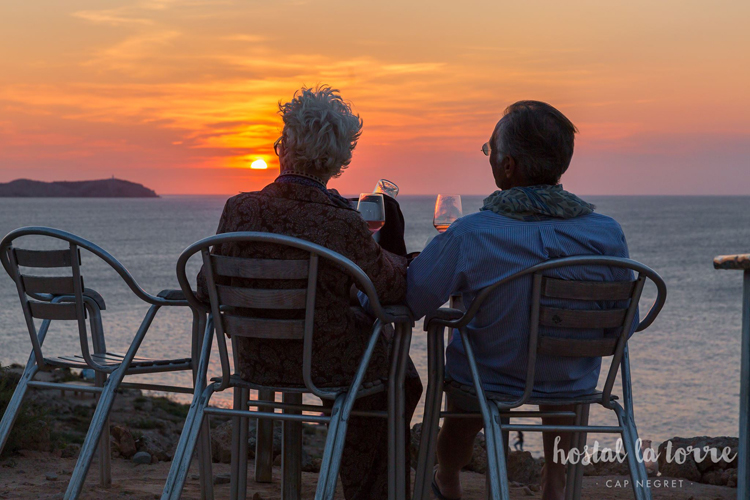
146	429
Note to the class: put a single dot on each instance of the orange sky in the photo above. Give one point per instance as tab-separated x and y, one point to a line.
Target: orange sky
182	95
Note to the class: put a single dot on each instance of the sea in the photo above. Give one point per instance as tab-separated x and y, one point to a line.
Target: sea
685	368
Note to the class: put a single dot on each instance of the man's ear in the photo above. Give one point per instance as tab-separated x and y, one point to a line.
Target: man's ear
509	167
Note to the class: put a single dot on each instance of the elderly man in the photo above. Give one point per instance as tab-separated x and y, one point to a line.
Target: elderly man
530	220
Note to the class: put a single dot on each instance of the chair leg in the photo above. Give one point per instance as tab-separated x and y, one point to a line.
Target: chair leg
244	424
264	441
496	463
640	464
105	453
238	486
235	461
94	435
638	474
14	405
574	481
403	430
428	441
194	426
291	457
393	413
205	469
205	456
397	465
431	418
329	467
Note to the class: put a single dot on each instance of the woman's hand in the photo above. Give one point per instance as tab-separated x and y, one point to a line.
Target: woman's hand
353	298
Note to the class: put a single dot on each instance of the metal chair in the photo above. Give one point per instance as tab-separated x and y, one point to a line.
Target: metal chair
64	298
231	313
496	408
741	262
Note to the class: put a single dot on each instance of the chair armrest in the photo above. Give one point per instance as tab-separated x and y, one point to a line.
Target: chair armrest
399	314
734	262
93	294
443	316
171	295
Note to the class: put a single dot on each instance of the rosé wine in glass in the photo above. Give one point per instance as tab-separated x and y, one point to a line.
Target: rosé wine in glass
447	210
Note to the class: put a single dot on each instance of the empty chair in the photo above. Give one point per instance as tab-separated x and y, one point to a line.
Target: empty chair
64	298
556	304
246	312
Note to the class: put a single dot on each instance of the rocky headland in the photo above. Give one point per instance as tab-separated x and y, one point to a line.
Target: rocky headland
104	188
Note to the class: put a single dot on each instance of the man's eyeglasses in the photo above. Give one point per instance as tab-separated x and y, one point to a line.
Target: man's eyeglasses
486	148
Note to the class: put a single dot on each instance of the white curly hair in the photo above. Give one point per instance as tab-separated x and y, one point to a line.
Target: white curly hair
320	132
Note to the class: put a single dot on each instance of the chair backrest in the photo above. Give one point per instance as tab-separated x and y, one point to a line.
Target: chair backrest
235	303
38	293
235	308
607	305
63	296
593	294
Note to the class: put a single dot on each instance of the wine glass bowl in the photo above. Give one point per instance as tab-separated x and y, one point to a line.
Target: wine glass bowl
447	210
386	187
372	208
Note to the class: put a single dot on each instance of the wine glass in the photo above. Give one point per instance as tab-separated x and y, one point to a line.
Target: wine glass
386	187
372	208
447	210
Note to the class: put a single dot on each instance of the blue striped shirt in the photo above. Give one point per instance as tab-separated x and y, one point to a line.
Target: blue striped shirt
484	247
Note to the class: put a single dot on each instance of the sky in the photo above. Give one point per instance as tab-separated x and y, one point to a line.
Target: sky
182	96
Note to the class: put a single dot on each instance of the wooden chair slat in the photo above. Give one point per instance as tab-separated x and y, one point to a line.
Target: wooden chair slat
56	285
587	290
238	267
575	318
241	326
43	258
258	298
46	310
577	348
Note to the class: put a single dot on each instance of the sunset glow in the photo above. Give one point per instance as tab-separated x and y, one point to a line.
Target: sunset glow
258	165
141	89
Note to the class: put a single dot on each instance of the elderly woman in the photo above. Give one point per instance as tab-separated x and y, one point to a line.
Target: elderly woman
320	132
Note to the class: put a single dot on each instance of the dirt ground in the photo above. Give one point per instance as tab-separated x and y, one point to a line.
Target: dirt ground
26	477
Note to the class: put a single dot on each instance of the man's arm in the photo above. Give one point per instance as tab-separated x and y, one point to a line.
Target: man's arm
436	274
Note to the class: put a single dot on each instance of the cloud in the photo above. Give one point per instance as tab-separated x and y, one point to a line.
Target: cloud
138	55
111	17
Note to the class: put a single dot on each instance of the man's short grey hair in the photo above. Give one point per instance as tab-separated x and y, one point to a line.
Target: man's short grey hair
539	138
320	132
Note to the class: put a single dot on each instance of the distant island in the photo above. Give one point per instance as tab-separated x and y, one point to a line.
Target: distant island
104	188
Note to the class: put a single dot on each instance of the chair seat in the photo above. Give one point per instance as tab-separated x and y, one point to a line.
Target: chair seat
237	381
461	390
112	360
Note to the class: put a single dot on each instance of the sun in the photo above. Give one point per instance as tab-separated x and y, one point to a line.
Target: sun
258	165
